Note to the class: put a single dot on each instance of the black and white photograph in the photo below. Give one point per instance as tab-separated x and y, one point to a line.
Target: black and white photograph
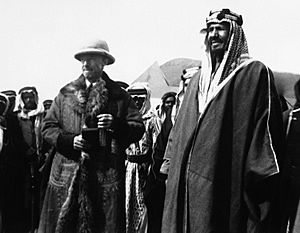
150	116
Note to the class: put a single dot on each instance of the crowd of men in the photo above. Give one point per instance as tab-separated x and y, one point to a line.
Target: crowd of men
219	156
23	153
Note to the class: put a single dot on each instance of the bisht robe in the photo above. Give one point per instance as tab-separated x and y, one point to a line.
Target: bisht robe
224	161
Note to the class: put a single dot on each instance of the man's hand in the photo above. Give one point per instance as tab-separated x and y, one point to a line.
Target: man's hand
105	121
80	144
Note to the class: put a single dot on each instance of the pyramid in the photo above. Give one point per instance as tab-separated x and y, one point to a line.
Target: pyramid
156	80
173	69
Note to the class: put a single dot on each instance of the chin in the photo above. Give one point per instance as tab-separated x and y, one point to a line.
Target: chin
87	74
217	50
90	76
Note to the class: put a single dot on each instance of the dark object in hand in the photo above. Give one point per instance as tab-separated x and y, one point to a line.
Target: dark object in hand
95	136
91	135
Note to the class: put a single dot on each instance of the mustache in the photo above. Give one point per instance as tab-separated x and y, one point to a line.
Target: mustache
87	68
216	39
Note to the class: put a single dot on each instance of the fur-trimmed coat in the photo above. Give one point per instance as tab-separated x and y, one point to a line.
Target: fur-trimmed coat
105	185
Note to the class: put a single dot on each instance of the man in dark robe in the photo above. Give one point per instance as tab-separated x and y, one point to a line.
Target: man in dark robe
288	218
13	172
30	112
226	141
4	103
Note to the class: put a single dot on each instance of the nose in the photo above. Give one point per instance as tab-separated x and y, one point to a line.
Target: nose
84	62
214	32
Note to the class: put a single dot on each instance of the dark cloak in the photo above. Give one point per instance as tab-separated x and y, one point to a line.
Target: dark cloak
223	163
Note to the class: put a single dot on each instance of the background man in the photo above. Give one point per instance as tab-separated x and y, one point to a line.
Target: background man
12	178
30	113
289	217
11	94
226	139
4	104
138	161
167	102
91	122
156	181
47	104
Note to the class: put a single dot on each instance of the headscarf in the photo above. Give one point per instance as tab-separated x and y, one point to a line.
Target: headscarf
20	106
11	94
185	80
4	104
235	54
47	104
161	112
26	114
134	89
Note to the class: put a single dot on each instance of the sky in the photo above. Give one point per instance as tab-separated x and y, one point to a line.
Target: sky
39	38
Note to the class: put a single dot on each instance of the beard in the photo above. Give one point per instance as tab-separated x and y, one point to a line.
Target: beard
30	106
92	76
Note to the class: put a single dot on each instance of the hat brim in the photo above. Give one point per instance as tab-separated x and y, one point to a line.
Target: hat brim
99	52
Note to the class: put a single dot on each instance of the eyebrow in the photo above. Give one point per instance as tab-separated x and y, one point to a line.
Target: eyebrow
218	26
91	56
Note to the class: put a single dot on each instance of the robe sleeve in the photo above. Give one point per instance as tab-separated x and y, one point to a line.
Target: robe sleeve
55	135
263	160
128	127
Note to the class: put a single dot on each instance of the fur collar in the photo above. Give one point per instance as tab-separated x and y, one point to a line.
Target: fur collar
75	89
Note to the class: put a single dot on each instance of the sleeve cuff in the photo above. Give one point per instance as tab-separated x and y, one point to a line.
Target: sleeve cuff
65	146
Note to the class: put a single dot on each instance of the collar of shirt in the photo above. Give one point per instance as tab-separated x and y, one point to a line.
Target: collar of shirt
88	83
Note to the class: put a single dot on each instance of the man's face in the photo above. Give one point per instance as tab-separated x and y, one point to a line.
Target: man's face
217	35
139	100
28	100
12	101
169	102
92	66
